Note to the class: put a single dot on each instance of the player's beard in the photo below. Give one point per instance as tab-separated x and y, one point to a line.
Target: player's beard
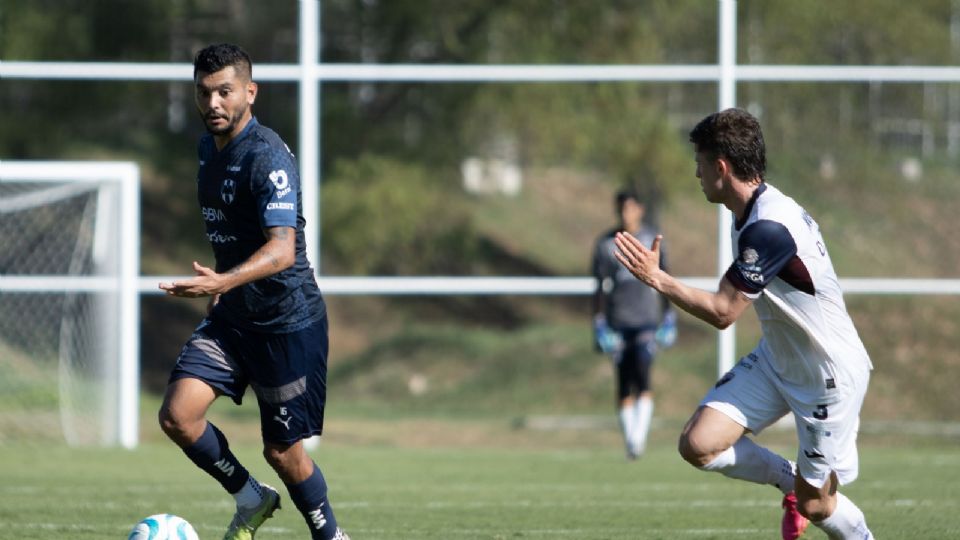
232	122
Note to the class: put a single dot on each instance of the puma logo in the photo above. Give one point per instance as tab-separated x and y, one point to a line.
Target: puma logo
286	423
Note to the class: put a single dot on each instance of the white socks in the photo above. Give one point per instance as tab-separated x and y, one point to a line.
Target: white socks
250	494
635	424
846	522
746	460
643	408
628	426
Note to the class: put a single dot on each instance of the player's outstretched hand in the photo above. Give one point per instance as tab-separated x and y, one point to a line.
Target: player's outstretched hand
642	262
205	283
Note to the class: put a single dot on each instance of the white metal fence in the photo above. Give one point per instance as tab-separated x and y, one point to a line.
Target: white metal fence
309	72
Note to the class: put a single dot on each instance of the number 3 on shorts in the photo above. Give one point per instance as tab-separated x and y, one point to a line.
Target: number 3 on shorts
821	412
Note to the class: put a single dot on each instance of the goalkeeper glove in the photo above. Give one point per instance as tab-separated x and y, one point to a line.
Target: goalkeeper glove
666	334
606	339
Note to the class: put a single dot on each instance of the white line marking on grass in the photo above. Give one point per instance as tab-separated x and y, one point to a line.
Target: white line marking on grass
55	526
741	503
353	504
593	531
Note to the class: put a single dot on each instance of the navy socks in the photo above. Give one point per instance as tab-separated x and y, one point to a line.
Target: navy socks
310	497
212	453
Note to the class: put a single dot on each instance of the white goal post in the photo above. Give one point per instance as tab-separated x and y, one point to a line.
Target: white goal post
70	306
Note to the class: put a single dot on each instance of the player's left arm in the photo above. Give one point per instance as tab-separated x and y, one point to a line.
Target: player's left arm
274	256
720	309
275	185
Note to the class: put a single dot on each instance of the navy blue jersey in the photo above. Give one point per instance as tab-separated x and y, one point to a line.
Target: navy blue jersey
249	186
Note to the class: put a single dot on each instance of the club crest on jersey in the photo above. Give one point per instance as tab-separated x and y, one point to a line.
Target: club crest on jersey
748	265
228	191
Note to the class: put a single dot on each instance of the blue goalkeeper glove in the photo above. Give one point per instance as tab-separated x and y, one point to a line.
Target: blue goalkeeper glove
606	339
666	334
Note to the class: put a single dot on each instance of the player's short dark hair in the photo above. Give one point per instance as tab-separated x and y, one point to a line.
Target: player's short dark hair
626	194
213	58
735	135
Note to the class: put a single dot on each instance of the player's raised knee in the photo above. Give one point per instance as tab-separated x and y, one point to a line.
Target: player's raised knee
692	451
175	426
184	425
280	457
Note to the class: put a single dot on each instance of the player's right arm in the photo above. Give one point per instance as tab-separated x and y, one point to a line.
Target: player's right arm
720	309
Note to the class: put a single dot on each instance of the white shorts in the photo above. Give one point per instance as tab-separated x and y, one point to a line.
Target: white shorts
827	432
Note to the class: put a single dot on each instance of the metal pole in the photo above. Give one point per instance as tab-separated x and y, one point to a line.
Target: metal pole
129	376
309	121
726	339
310	139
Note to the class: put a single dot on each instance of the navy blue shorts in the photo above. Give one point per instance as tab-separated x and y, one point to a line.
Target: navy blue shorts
633	367
288	373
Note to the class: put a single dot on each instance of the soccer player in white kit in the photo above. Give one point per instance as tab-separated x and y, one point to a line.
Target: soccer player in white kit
810	360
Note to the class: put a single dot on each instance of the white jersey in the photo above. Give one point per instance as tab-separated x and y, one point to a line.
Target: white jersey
781	261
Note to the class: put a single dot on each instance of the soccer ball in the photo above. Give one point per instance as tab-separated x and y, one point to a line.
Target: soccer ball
163	527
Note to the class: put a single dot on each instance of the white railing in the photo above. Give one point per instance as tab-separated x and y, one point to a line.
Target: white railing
309	72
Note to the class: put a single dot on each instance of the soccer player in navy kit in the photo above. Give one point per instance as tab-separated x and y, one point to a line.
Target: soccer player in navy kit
267	324
629	320
810	360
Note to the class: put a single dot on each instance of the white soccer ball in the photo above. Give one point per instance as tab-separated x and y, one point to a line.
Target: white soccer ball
163	527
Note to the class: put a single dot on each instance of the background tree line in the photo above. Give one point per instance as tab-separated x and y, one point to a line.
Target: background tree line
873	162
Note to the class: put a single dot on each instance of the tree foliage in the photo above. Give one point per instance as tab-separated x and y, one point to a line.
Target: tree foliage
406	136
386	217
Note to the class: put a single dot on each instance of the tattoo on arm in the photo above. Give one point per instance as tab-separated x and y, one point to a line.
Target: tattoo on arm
273	259
268	259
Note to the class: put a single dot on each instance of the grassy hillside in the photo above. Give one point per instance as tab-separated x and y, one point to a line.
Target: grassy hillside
529	355
511	356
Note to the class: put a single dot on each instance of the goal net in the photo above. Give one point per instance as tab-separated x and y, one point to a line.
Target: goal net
69	302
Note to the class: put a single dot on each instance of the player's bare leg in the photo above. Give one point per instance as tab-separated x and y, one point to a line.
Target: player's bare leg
183	418
182	415
831	511
706	435
712	441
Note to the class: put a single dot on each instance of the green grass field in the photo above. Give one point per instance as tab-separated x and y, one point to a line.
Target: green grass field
473	479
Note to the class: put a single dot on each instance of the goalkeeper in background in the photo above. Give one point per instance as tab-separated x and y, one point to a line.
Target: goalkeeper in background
630	320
